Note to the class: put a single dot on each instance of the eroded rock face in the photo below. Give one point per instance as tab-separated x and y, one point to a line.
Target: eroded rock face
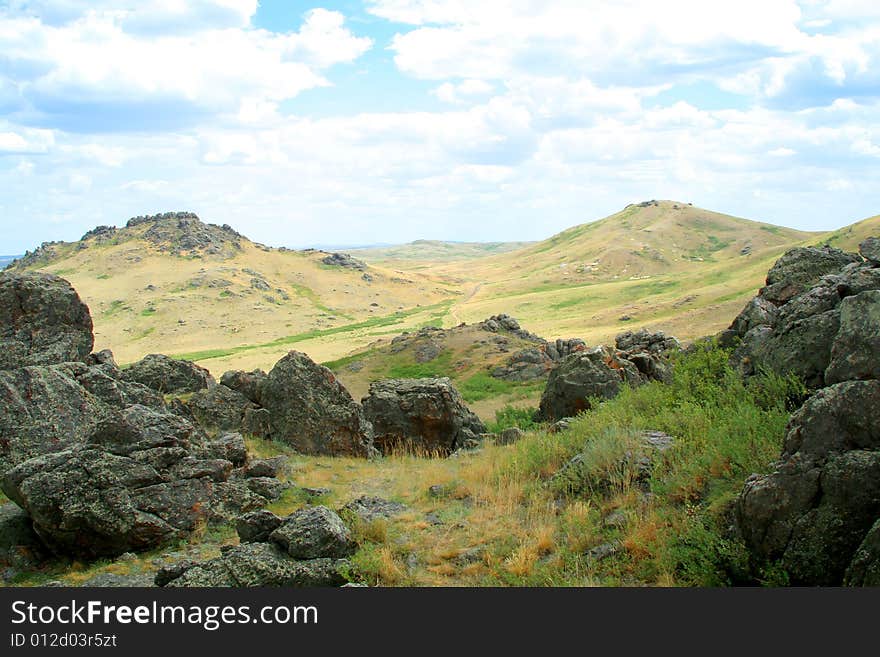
310	410
795	321
165	374
219	407
141	479
855	353
428	414
597	372
42	321
45	409
312	533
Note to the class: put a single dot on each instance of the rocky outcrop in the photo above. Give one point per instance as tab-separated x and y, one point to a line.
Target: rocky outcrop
42	321
249	384
424	414
582	377
506	323
344	260
526	365
816	513
45	409
791	326
142	479
166	375
310	410
307	548
368	508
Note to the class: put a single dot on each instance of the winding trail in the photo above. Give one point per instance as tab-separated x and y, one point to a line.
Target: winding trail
453	311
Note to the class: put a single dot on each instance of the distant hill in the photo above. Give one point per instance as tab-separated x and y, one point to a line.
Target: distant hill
432	251
665	264
170	283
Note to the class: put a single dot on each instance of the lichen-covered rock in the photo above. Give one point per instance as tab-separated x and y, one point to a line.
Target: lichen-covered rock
261	564
855	353
597	372
141	479
249	384
256	526
42	321
310	410
801	268
815	509
230	447
166	374
644	340
368	508
525	365
312	533
864	569
219	407
870	250
426	414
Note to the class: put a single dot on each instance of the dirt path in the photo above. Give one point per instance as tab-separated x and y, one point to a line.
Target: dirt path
453	311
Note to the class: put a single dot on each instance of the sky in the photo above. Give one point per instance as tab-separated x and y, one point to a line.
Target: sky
384	121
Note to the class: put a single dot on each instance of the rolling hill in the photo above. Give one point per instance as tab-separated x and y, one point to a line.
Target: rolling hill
425	253
172	284
660	264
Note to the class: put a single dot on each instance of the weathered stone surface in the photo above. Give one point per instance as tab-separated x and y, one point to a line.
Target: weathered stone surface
801	268
261	564
597	372
42	321
510	436
864	569
816	508
855	353
20	547
870	250
525	365
427	414
270	467
256	526
267	487
139	481
312	533
344	260
219	407
644	340
313	412
230	447
369	508
249	384
166	374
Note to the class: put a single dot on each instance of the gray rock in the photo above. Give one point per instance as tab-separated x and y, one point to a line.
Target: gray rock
261	564
801	268
312	533
248	384
855	353
270	467
166	374
525	365
870	250
598	372
344	260
864	569
42	321
115	580
426	414
256	526
312	411
137	482
230	447
369	508
267	487
172	571
20	547
219	407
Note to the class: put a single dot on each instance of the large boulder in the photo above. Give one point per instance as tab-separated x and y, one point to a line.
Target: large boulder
525	365
44	409
814	511
42	321
165	374
219	407
141	479
427	414
595	373
801	268
249	384
310	410
314	532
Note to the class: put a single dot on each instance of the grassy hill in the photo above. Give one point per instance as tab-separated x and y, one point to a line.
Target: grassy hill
212	295
660	264
423	253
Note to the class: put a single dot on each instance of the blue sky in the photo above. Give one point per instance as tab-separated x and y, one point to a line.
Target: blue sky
364	121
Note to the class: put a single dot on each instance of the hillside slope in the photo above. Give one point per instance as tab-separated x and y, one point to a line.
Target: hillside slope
423	253
661	264
172	284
